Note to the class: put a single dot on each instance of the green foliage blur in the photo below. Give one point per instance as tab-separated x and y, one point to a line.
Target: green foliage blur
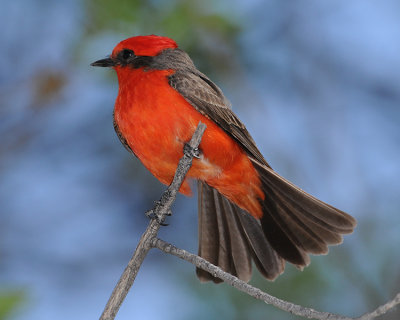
9	303
207	35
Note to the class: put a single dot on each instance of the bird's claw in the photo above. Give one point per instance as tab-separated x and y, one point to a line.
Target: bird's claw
153	215
195	152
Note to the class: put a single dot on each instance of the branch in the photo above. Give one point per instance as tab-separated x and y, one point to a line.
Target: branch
243	286
381	309
158	213
258	294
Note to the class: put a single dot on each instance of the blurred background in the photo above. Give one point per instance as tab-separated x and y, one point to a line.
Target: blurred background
316	82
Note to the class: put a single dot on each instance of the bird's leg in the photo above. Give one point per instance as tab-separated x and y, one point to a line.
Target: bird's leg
158	212
153	214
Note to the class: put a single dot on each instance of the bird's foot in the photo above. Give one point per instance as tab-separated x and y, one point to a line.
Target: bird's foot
154	214
195	152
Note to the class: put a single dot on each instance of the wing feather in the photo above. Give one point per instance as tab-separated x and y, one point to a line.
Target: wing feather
208	99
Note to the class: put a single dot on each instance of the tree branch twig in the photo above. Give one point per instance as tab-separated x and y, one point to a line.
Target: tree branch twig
243	286
159	212
381	309
261	295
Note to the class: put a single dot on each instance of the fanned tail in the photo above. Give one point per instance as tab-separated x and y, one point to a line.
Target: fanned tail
294	224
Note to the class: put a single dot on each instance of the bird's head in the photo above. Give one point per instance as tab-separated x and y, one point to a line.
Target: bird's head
135	51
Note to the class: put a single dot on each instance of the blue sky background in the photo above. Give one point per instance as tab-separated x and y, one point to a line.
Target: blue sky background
317	84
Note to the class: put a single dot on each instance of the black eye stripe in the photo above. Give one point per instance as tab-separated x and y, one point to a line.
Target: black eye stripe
126	54
127	57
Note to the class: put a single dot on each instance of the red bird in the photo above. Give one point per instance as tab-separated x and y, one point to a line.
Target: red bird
246	210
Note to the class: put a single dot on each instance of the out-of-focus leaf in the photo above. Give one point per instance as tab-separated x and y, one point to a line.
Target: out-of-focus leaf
204	34
9	301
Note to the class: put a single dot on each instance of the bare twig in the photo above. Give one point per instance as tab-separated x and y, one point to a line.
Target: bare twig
243	286
258	294
159	212
128	276
381	309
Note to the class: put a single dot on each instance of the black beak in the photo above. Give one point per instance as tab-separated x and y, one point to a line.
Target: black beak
108	62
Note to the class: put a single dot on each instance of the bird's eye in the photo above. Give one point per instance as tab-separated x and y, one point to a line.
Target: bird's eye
126	54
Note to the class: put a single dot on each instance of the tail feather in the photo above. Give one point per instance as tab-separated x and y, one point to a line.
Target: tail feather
281	238
234	239
224	248
240	251
208	232
284	214
266	259
295	222
316	210
224	244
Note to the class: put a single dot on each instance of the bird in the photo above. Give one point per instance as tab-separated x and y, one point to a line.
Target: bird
246	211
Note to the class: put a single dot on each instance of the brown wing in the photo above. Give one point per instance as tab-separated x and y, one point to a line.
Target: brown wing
208	99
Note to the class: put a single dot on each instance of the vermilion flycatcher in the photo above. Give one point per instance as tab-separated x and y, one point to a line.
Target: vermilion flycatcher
246	210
